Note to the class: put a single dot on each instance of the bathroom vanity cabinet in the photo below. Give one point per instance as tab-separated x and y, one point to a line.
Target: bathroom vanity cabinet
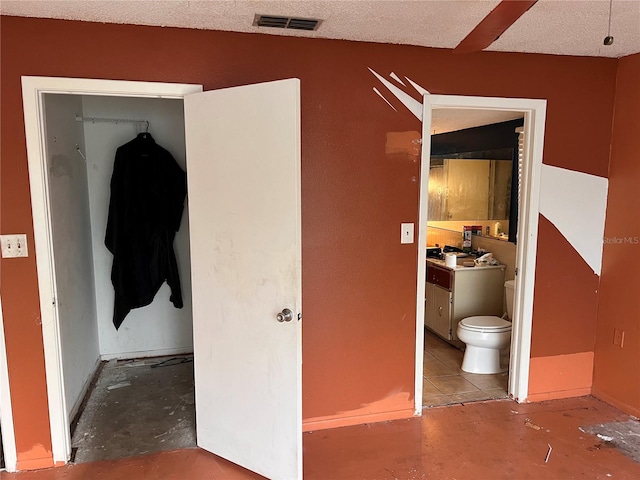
452	294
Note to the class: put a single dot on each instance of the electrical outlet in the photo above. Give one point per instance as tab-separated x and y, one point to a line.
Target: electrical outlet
406	233
14	245
618	337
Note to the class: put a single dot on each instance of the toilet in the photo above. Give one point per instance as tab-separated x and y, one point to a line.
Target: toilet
485	336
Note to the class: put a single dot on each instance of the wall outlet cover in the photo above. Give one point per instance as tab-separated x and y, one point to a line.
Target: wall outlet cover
618	337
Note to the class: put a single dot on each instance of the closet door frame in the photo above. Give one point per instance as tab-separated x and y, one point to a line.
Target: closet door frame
33	91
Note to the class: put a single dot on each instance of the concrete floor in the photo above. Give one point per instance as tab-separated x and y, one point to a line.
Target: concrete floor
135	408
476	441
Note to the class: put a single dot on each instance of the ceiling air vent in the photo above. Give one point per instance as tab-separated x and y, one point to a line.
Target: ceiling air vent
286	22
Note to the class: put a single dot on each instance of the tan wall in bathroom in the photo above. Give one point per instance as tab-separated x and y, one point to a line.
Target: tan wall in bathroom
441	233
503	251
439	237
457	225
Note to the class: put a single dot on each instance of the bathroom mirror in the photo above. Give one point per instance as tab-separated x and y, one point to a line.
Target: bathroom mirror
469	189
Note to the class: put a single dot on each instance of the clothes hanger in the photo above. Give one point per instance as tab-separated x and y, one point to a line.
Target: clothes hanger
145	134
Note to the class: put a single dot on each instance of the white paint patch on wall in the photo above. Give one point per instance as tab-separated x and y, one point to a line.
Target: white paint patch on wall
418	88
576	204
397	79
159	328
382	97
407	100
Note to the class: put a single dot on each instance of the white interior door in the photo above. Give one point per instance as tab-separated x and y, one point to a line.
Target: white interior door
243	171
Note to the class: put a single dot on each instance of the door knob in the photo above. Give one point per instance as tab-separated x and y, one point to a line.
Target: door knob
285	316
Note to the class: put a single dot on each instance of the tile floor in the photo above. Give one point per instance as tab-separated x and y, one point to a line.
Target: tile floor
444	383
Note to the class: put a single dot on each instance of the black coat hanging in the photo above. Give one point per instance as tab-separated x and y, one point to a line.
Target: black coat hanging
148	189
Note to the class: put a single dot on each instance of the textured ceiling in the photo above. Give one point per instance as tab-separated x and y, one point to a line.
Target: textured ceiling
566	27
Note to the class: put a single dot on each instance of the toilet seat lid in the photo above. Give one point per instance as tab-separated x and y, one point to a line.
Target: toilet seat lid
486	324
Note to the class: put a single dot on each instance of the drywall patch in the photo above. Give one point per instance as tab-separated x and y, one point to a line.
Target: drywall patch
576	203
405	144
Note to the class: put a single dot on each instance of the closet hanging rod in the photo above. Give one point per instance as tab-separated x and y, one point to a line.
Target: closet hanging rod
112	120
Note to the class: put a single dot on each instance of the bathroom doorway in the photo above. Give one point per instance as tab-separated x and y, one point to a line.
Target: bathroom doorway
473	181
468	112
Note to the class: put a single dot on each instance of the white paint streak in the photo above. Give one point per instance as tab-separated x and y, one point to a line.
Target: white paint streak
576	204
421	91
411	103
397	79
546	460
382	96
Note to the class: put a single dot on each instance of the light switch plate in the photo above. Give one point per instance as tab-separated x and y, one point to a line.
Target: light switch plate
14	245
406	235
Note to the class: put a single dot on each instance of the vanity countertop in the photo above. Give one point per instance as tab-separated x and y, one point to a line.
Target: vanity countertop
441	263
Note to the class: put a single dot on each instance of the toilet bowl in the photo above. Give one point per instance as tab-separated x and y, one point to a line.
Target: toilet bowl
484	337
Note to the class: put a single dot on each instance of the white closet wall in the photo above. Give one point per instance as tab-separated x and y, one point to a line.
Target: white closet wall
159	328
71	236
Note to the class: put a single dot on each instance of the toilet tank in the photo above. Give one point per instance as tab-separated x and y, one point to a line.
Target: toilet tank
509	287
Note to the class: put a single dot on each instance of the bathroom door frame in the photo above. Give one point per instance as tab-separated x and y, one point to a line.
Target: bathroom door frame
534	111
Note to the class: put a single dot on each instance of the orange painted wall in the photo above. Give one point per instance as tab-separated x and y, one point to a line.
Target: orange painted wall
358	281
567	306
560	376
617	369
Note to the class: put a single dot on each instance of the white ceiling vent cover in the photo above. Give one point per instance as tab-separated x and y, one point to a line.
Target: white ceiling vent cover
286	22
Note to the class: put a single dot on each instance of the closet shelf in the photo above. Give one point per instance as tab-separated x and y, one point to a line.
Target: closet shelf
112	120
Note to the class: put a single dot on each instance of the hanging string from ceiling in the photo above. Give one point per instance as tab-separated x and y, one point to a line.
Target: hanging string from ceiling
608	40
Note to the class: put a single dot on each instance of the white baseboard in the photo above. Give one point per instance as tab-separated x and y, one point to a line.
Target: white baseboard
83	391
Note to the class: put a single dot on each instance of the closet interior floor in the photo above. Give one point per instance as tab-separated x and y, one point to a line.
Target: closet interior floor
137	407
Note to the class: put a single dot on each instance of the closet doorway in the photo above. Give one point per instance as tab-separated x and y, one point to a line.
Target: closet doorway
140	376
238	146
